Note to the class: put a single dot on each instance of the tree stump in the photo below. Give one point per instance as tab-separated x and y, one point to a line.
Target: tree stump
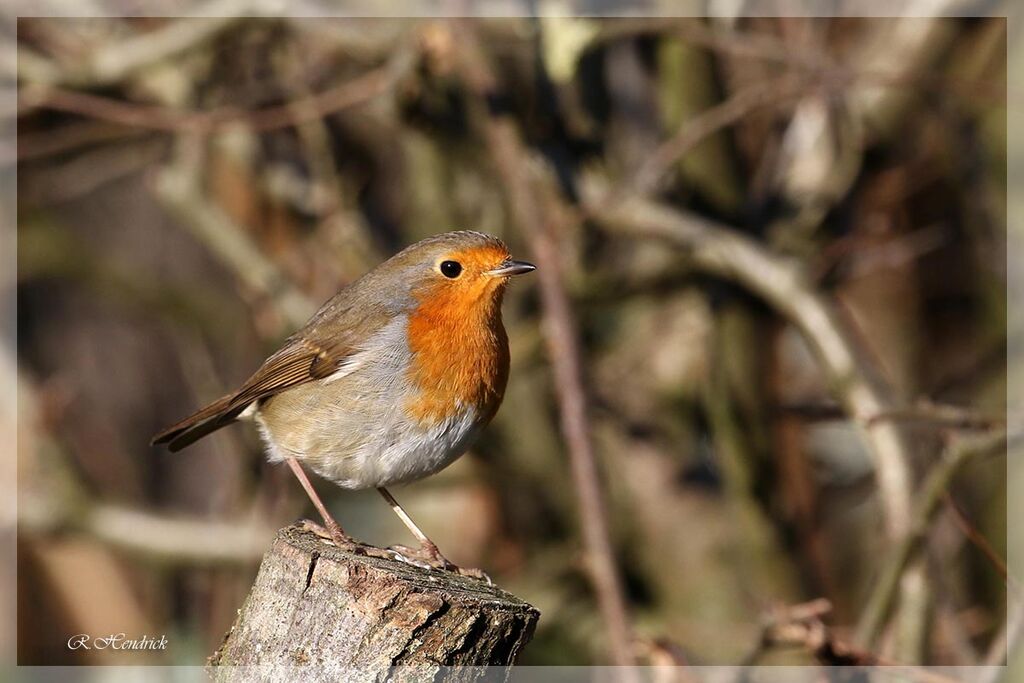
353	617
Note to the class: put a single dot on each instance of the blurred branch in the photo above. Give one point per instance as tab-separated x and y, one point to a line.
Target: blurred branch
802	626
780	282
942	415
768	47
32	146
91	170
935	485
177	187
536	225
697	31
775	94
1006	640
725	253
857	260
52	499
342	96
924	412
975	537
162	538
115	61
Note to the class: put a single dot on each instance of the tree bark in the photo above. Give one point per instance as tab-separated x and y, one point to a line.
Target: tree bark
354	617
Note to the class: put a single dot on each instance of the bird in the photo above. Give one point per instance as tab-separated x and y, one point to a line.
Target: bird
390	381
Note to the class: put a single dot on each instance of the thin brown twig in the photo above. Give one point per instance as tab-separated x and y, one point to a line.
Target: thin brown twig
925	412
770	48
342	96
1006	639
936	483
535	224
941	415
563	349
177	189
72	137
163	538
114	61
803	626
725	253
863	260
53	500
705	124
974	536
91	170
782	284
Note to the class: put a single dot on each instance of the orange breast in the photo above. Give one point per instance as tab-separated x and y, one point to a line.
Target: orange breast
460	354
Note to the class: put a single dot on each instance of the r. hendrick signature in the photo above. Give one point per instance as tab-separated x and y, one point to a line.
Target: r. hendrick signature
116	641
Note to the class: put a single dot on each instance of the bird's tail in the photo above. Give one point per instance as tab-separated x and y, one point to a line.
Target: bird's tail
200	423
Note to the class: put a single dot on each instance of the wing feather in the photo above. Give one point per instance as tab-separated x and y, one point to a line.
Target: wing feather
312	353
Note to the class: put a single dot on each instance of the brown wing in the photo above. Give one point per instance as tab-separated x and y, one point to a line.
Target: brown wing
306	356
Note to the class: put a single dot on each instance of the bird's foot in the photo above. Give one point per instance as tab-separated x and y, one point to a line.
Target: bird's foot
427	556
334	535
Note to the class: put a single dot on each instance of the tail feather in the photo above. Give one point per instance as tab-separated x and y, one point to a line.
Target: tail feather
193	434
200	423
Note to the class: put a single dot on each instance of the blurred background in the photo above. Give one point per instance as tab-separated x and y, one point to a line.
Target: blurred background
783	246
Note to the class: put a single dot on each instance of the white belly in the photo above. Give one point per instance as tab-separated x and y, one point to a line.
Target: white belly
392	453
353	430
403	452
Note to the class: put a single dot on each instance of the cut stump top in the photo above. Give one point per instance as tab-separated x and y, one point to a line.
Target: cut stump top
313	604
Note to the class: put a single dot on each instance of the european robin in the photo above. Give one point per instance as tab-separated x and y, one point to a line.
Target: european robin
389	382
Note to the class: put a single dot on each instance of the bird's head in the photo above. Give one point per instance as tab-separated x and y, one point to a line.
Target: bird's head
459	273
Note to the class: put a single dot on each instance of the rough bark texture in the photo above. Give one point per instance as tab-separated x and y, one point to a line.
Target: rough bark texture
351	617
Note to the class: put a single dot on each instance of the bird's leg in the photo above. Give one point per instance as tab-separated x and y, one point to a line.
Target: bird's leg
428	553
333	530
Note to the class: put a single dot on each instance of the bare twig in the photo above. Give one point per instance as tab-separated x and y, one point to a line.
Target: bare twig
564	354
941	415
70	138
976	538
115	61
863	393
702	126
91	170
802	626
771	48
177	188
1007	639
152	536
725	253
937	482
924	412
535	224
52	500
342	96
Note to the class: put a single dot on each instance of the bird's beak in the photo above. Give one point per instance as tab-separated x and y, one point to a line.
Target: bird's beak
508	268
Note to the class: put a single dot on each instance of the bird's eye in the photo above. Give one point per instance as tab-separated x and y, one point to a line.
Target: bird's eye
451	269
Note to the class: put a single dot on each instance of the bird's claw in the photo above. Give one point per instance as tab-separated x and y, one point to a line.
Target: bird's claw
333	535
474	573
343	541
404	557
424	557
429	557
